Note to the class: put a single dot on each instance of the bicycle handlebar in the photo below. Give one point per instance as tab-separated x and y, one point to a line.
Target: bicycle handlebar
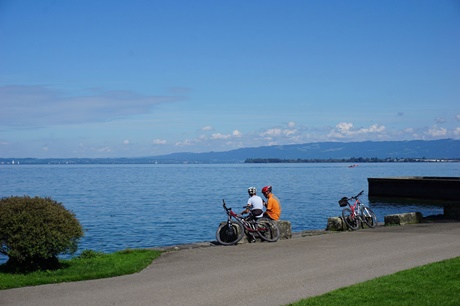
225	205
356	196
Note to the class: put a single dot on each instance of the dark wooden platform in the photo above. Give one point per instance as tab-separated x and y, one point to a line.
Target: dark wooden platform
417	187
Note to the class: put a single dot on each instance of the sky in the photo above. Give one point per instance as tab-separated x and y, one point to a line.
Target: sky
89	79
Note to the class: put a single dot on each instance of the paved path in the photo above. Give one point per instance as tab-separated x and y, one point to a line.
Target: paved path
260	273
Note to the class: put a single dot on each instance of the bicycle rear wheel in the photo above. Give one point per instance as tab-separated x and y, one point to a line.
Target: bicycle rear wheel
369	217
229	233
268	230
351	220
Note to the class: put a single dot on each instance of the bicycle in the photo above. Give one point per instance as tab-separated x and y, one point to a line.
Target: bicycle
355	214
233	230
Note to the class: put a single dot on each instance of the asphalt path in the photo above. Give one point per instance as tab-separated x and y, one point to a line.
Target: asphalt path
259	273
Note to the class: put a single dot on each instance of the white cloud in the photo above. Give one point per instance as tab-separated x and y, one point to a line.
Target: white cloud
457	131
205	140
345	129
126	142
220	136
237	133
159	142
289	133
207	128
281	135
436	132
186	142
341	130
458	117
272	132
375	128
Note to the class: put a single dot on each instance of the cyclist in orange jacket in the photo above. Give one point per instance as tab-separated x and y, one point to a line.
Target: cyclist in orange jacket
273	206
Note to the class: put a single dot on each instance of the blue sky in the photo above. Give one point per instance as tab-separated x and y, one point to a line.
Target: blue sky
143	78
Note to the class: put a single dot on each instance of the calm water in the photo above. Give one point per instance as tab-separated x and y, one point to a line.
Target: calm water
136	206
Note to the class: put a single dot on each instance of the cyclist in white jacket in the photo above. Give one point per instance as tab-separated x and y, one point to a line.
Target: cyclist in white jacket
255	204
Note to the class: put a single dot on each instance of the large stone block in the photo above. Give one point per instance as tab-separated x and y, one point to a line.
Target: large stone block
335	224
402	219
285	229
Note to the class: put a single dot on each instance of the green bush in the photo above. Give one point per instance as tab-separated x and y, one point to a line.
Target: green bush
34	231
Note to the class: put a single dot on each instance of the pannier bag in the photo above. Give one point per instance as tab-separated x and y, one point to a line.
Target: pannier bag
343	202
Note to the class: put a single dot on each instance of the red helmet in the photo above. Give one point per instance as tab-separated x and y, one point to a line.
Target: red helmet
267	189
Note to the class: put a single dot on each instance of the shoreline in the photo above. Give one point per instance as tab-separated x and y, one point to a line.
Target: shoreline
306	233
213	243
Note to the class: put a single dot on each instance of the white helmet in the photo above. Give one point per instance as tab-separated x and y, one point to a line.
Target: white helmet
252	190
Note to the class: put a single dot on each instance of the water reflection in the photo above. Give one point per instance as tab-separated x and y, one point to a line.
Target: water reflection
388	206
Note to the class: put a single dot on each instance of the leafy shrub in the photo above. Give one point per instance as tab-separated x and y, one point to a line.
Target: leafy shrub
34	231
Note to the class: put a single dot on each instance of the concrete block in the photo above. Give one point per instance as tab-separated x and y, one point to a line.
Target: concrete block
402	219
285	229
335	224
284	226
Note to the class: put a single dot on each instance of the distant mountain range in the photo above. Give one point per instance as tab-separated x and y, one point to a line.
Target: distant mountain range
434	149
319	151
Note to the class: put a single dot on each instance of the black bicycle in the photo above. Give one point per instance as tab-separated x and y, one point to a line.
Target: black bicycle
232	231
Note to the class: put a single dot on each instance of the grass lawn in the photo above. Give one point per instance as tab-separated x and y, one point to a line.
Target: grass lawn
90	266
433	284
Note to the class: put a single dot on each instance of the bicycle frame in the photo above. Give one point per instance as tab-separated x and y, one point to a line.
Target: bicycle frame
247	225
355	208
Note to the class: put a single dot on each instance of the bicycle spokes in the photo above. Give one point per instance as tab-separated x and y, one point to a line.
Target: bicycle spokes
268	230
369	217
350	218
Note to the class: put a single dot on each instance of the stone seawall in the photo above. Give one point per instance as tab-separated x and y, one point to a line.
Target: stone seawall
337	224
284	226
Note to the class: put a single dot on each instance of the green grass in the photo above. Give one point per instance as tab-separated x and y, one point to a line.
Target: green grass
92	265
433	284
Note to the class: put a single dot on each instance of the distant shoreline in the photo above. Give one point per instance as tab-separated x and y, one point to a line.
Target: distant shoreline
354	161
147	161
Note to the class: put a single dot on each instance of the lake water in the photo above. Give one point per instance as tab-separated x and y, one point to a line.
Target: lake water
139	206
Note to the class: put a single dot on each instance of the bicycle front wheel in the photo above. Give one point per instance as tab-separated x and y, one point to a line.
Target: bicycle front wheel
351	221
229	233
268	230
369	217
